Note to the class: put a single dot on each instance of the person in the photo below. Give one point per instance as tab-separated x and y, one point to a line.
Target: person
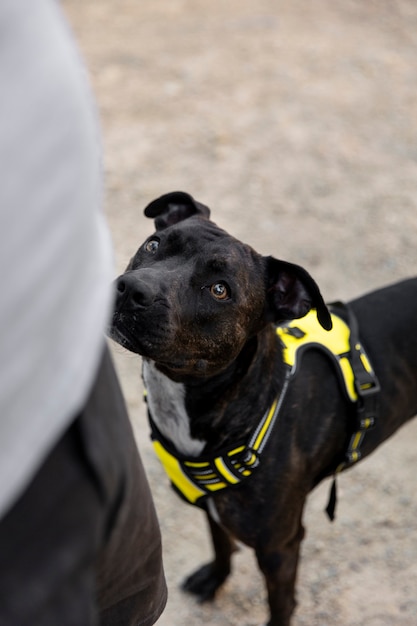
80	543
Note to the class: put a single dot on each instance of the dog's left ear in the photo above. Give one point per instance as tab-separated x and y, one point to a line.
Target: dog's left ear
173	208
292	293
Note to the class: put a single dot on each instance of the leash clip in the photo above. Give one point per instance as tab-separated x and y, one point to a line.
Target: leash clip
367	404
369	385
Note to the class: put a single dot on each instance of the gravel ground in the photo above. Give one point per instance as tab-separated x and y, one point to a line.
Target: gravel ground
296	122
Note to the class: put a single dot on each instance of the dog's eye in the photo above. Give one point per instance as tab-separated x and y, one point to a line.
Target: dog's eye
152	245
219	291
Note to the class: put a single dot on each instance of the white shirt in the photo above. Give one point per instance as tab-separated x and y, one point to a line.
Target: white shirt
55	253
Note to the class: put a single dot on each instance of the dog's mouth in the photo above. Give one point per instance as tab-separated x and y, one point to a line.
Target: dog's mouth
139	343
177	367
119	331
150	339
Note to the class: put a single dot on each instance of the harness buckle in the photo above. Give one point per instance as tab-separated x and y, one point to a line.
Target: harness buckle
247	460
368	388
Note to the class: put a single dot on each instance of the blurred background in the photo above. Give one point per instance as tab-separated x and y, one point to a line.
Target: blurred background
296	122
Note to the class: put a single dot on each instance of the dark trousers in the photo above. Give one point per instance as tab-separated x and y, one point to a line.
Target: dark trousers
82	546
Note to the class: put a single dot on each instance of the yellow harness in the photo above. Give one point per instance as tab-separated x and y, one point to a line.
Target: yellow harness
196	478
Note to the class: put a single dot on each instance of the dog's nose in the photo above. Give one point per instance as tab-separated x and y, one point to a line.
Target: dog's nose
134	292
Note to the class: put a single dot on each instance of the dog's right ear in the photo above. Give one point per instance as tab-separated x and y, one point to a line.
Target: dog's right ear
174	207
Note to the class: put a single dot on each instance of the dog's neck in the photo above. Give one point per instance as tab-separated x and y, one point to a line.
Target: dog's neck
166	403
206	414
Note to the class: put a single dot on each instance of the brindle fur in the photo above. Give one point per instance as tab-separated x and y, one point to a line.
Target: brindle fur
227	356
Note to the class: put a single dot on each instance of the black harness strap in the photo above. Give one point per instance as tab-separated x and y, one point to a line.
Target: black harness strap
367	388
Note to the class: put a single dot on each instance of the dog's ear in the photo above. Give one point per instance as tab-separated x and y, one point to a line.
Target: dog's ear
173	208
292	293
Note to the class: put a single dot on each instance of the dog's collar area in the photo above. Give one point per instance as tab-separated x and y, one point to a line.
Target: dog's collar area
195	479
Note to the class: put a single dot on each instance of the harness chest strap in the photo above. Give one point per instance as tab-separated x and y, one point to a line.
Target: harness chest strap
196	478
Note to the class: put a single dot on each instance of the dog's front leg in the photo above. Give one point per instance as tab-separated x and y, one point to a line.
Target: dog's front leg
205	581
278	563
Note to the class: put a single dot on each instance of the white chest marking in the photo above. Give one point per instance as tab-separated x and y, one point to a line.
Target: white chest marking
166	401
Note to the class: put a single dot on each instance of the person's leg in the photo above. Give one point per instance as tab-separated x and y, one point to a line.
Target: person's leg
48	545
82	545
131	583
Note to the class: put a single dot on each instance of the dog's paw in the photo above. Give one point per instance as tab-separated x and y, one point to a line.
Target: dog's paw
204	582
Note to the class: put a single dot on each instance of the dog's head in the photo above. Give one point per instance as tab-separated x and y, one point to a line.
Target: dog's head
192	295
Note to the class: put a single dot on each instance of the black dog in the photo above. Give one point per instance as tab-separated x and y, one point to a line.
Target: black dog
239	432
